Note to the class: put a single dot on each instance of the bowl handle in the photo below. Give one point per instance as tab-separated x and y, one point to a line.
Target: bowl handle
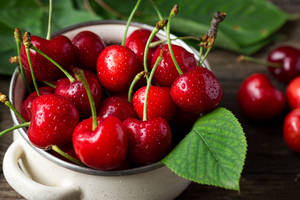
26	186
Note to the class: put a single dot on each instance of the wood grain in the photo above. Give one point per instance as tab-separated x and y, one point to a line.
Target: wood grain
272	171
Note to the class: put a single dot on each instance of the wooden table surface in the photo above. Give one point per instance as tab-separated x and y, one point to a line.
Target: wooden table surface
271	171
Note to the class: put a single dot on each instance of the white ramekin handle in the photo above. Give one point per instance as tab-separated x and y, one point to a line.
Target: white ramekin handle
27	187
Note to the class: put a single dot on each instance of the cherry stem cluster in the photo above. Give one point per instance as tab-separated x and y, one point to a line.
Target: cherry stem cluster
159	58
27	44
17	36
49	21
208	39
258	61
129	21
156	43
133	83
65	155
5	101
80	76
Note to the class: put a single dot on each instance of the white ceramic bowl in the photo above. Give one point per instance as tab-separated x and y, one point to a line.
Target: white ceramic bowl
36	174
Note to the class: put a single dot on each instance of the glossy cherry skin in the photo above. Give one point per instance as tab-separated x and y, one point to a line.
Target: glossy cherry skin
118	107
76	92
293	93
53	121
259	99
89	45
289	58
159	103
197	91
137	42
26	105
166	72
105	148
59	49
291	130
149	141
116	67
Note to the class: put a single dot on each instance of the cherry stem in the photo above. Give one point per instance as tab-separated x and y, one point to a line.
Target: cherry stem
200	54
202	58
159	25
156	10
50	84
133	83
129	21
159	58
80	76
65	155
173	13
258	61
27	43
17	36
49	21
26	124
5	101
156	43
69	76
153	33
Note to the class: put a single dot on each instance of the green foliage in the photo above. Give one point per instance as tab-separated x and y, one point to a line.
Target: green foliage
32	16
213	153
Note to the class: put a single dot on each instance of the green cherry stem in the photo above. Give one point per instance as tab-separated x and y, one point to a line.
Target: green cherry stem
156	43
5	101
17	36
159	25
79	74
173	13
50	84
258	61
25	124
133	83
129	21
68	75
65	155
49	21
27	44
159	58
156	10
200	55
201	59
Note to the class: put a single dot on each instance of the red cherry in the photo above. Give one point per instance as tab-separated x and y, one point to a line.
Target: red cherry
197	91
59	49
289	58
259	99
53	121
118	107
137	43
116	67
293	93
76	92
26	105
166	72
149	141
104	148
159	103
291	130
89	45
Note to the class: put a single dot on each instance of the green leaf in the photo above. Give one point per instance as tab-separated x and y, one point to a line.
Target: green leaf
213	153
242	27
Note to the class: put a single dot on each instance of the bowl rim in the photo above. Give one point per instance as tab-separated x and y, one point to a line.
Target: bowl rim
71	166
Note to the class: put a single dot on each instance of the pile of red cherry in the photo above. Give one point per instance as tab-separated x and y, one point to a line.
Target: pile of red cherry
259	99
121	139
